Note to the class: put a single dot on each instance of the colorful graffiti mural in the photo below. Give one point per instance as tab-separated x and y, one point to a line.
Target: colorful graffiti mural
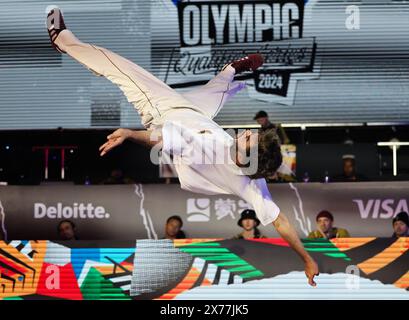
200	268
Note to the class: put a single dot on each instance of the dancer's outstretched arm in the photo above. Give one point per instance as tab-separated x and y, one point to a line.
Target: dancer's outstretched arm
146	138
256	193
288	233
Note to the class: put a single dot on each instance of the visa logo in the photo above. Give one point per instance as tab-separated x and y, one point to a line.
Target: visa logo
380	208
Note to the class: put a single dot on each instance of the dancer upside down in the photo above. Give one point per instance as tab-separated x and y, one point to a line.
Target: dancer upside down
182	126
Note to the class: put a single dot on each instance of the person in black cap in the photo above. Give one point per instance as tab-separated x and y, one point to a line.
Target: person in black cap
262	119
401	225
249	222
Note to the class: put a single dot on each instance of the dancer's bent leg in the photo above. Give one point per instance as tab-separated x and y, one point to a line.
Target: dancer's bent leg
149	95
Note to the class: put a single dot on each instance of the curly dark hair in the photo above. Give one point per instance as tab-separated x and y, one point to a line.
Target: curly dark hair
269	154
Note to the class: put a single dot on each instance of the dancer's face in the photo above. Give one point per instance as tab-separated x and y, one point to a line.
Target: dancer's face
247	140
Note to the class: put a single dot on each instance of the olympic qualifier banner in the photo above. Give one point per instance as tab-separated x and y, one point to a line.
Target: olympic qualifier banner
139	211
214	33
318	55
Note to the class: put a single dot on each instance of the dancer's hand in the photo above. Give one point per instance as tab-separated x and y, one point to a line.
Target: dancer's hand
311	270
114	139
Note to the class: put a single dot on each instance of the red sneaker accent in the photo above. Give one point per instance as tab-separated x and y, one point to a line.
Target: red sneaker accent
251	62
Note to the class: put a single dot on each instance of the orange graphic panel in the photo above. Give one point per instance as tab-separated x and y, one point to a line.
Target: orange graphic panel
20	272
403	282
344	244
385	257
187	283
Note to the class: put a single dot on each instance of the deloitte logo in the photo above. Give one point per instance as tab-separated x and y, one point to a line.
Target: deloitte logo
77	210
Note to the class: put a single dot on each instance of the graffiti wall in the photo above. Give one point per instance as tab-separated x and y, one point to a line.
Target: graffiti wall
354	268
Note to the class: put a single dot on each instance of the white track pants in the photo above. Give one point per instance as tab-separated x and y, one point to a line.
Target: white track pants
151	97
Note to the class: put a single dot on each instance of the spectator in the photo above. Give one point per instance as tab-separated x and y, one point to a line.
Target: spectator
117	177
249	222
67	230
325	228
173	228
401	225
262	119
349	173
